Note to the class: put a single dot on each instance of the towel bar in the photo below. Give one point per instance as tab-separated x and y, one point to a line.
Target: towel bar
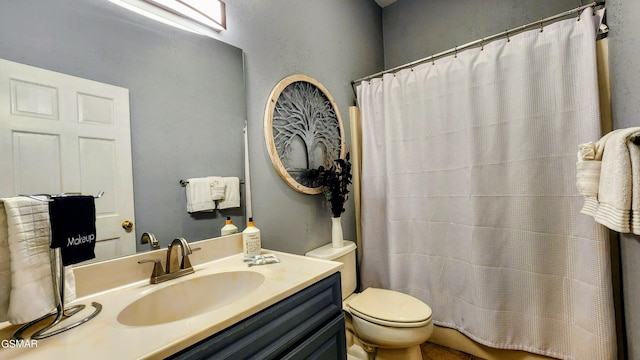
185	182
47	197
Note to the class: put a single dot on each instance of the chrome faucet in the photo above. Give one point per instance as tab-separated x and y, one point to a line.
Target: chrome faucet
175	267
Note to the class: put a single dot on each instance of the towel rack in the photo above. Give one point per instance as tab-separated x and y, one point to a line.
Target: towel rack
57	274
48	198
185	182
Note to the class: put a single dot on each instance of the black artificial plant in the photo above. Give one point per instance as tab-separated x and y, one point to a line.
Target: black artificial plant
335	181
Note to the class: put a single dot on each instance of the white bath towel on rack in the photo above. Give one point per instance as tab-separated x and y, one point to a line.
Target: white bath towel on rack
231	193
618	195
28	237
634	155
199	198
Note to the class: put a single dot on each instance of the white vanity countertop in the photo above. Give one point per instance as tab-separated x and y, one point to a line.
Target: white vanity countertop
105	338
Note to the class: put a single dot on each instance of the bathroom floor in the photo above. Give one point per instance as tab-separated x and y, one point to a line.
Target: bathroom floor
432	351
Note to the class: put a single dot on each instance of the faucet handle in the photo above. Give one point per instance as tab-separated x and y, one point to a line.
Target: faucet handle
157	267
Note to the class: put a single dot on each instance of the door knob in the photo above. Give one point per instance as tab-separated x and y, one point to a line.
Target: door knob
127	225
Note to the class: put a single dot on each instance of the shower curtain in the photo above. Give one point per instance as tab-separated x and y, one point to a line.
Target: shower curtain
469	200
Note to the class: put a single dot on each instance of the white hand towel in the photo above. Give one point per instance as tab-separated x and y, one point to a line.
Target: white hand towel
29	237
217	187
198	193
231	193
588	170
588	177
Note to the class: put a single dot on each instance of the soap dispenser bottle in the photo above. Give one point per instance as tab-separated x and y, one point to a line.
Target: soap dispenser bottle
228	228
251	243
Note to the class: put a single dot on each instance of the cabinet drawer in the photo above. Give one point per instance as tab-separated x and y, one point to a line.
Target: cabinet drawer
273	331
329	343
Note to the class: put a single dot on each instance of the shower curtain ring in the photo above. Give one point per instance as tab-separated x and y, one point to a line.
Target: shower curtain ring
507	33
433	62
541	25
482	44
455	52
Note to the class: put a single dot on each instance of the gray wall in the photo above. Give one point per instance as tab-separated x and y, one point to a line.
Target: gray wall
415	29
334	41
625	96
183	122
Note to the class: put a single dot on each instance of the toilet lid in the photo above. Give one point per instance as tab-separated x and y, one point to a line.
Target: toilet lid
388	306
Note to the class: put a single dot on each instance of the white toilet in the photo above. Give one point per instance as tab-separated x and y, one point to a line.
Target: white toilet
383	324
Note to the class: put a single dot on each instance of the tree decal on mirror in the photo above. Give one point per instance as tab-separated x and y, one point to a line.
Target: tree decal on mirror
303	131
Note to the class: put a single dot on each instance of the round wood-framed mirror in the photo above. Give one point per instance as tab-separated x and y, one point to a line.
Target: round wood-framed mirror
302	130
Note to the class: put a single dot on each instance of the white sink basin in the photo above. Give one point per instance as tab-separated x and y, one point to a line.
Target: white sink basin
190	296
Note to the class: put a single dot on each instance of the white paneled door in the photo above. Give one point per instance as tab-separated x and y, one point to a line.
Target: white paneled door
61	133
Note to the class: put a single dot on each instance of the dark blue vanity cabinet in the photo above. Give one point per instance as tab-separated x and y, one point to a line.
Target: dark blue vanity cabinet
306	325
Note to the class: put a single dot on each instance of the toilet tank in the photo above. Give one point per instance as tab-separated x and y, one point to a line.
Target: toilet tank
346	255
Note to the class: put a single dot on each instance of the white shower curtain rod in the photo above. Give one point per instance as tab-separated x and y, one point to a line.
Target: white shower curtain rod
480	41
